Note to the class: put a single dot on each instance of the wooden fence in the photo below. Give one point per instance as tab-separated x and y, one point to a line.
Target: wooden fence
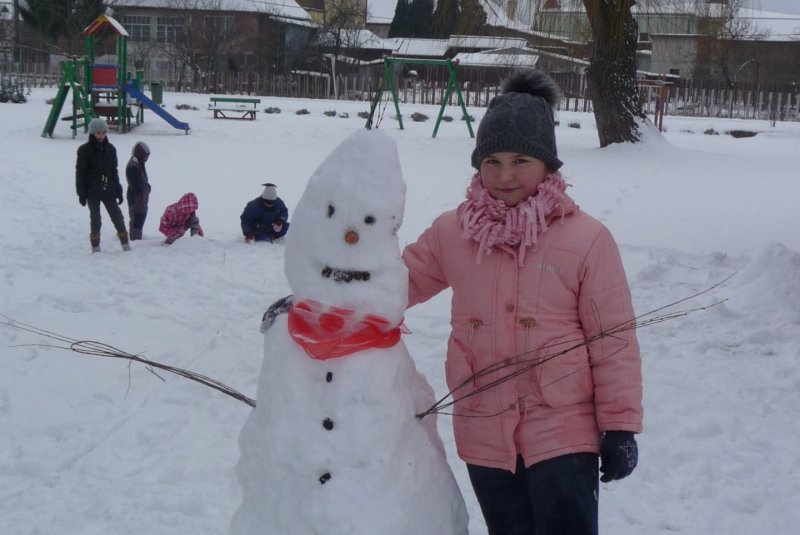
683	98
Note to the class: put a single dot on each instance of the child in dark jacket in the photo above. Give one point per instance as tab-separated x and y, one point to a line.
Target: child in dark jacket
138	188
265	218
97	182
180	217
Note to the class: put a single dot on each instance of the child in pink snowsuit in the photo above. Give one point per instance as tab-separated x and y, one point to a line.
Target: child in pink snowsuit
180	217
539	393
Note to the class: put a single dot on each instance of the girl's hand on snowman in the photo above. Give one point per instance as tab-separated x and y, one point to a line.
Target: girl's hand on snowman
619	455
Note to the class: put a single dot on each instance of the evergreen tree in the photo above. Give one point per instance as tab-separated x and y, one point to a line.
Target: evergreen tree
61	18
400	26
420	18
472	20
445	18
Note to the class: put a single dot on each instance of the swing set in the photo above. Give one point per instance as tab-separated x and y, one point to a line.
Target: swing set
387	84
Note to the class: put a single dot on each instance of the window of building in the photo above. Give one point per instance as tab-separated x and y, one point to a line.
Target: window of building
676	72
169	29
138	27
220	28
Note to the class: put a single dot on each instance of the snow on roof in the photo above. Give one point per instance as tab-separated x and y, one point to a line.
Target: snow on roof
781	26
476	41
770	26
363	39
407	46
496	16
570	59
496	58
105	20
296	22
285	8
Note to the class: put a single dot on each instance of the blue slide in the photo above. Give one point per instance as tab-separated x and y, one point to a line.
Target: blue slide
133	91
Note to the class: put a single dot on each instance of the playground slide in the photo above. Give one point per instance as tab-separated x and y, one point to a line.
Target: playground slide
133	91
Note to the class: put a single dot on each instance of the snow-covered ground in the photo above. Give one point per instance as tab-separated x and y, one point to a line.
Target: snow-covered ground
95	446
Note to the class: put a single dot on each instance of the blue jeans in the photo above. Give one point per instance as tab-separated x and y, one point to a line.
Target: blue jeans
553	497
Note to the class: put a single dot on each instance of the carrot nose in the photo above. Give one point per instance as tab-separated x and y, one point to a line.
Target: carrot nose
351	237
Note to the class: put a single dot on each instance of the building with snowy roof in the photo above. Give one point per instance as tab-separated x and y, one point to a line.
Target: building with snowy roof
685	38
213	35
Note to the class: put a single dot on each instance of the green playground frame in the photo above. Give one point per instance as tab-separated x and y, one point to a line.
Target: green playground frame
387	83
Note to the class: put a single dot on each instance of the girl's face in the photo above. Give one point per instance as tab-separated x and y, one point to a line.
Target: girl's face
511	177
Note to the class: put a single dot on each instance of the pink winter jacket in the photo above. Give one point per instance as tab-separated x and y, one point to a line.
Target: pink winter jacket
572	287
180	217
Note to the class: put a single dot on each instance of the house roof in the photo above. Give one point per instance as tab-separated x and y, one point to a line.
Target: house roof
496	58
282	8
768	26
477	41
101	22
780	26
407	46
362	39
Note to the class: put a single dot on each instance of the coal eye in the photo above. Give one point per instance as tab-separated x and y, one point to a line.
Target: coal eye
331	210
369	220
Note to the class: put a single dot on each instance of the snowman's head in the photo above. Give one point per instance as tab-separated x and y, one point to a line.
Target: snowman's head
342	248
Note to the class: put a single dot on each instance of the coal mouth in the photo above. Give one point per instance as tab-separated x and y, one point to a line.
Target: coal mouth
345	275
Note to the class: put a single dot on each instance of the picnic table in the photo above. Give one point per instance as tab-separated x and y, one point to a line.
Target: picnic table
234	107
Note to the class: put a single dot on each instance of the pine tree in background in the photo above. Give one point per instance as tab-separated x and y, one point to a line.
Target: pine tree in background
420	17
400	23
412	19
445	18
55	19
472	19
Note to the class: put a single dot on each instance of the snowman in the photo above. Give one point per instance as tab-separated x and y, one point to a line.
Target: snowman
333	446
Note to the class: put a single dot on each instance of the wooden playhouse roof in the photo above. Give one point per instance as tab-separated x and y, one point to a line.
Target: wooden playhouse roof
102	21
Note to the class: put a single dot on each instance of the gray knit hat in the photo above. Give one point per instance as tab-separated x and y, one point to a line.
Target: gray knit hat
270	192
97	125
520	119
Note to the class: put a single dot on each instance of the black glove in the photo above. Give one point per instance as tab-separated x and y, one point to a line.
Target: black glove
618	455
120	199
82	200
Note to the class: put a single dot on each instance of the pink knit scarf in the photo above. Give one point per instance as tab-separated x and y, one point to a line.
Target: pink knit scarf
490	222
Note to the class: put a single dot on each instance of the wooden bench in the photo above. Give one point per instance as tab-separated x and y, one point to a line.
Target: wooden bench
235	108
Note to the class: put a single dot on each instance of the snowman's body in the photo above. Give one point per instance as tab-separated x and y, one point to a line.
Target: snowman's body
333	446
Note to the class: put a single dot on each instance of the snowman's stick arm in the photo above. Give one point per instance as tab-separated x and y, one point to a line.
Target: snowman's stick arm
100	349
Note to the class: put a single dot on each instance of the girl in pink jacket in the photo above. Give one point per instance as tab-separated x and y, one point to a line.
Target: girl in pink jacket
180	217
539	395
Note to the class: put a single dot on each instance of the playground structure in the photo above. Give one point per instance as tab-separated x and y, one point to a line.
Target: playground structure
103	90
387	83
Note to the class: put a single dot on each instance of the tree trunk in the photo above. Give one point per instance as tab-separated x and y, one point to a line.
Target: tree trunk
611	76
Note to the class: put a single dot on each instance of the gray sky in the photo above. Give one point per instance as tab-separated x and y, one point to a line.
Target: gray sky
781	6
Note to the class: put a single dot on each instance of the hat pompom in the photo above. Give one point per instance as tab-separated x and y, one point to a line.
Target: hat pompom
532	82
